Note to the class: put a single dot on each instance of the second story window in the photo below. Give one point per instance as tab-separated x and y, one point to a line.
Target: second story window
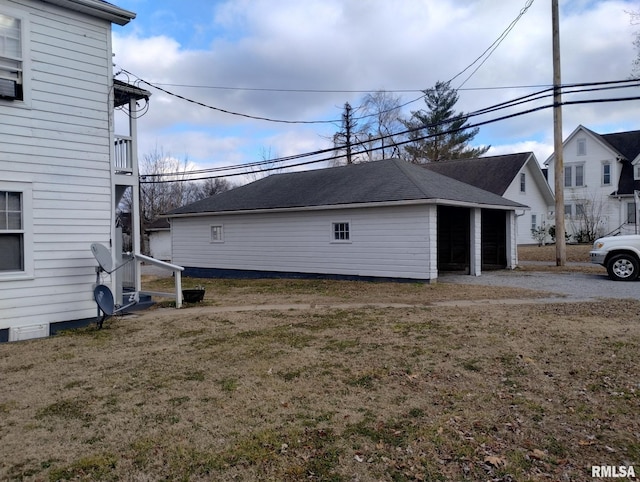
606	174
574	175
10	58
523	182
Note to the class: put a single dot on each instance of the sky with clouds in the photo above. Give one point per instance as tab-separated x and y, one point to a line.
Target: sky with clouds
302	60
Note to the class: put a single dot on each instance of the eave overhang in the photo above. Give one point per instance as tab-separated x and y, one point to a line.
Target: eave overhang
97	8
416	202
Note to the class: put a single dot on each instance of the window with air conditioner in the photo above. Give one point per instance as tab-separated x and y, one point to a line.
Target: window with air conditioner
11	60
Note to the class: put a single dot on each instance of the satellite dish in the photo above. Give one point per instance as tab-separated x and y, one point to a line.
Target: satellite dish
103	257
104	298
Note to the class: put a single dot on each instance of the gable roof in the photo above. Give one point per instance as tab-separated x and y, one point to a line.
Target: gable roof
388	181
625	145
493	173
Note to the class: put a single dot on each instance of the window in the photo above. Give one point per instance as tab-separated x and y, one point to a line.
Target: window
631	213
217	234
580	210
523	180
606	174
341	232
11	39
534	222
16	230
582	147
11	231
568	210
574	175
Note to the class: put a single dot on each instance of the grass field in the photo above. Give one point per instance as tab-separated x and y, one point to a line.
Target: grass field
498	392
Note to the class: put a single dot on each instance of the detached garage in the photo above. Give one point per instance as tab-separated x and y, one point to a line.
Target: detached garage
386	219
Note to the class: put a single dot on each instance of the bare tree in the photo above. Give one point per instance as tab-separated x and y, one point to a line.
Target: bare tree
267	167
345	138
381	111
635	20
587	222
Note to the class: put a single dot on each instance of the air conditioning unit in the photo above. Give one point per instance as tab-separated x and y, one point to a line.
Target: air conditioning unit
10	88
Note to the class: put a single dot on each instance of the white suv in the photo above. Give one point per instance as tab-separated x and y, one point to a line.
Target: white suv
619	254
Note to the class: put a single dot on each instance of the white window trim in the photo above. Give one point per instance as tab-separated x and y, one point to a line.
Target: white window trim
581	142
27	219
221	240
523	183
333	240
25	103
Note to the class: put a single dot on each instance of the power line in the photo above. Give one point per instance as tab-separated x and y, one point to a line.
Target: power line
536	96
492	48
270	168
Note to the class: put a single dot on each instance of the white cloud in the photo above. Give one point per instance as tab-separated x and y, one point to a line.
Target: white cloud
366	45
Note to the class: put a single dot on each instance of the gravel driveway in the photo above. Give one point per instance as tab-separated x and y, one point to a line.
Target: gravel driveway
573	285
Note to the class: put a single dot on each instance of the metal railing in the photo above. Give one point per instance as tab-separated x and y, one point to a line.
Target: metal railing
123	155
177	274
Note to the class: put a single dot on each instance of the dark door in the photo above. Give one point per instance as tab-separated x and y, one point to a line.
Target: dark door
494	239
453	238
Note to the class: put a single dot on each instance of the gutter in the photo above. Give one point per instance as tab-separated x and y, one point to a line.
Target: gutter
417	202
97	8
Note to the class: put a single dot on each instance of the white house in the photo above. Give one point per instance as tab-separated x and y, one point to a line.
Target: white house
517	177
383	219
62	169
601	175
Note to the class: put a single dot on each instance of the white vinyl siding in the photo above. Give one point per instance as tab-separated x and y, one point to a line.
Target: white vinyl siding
390	242
61	144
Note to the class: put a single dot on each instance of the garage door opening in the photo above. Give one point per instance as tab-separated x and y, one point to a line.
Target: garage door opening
453	239
494	239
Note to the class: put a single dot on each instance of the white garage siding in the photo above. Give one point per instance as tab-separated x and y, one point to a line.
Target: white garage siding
388	242
58	143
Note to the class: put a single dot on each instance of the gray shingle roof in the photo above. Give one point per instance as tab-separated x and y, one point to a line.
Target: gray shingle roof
493	174
626	143
372	182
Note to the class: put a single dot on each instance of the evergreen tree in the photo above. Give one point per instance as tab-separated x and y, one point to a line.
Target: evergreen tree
439	133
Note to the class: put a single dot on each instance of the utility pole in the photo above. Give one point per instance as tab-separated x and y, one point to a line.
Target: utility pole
561	247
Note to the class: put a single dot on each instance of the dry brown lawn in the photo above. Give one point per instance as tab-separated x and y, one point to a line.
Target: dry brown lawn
425	392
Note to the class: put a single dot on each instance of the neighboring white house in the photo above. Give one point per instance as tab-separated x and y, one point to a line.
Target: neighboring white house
601	175
62	169
517	177
383	219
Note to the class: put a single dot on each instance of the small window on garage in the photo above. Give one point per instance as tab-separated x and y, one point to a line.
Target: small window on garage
217	234
341	232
